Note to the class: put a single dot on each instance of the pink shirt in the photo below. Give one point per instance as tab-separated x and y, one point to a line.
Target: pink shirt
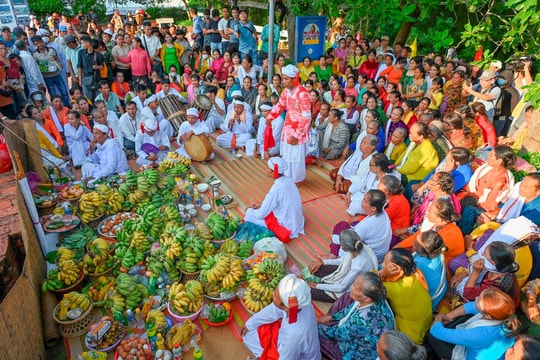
140	62
298	117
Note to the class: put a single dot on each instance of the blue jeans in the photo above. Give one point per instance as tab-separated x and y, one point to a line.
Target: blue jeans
215	46
56	86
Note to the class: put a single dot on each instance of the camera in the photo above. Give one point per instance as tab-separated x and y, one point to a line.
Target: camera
517	63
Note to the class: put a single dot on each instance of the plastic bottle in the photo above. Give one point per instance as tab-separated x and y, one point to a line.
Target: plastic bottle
151	332
139	322
197	198
224	212
197	353
130	316
66	208
160	342
177	352
152	284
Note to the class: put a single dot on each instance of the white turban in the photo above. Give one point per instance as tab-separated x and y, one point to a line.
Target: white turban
192	112
265	107
291	286
290	71
103	128
238	102
150	99
236	93
281	164
150	125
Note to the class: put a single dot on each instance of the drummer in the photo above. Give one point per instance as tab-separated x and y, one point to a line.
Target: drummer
152	111
189	128
238	128
166	89
237	95
217	111
151	134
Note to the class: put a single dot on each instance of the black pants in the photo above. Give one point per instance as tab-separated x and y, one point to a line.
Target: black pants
282	10
321	295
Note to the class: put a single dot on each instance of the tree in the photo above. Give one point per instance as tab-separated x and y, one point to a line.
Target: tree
41	8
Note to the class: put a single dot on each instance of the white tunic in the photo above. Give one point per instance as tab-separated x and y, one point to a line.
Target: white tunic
284	200
108	159
114	123
242	129
376	232
214	119
129	127
298	341
158	139
277	128
78	141
198	129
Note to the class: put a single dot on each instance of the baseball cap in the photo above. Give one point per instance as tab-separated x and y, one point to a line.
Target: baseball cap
69	38
108	32
62	28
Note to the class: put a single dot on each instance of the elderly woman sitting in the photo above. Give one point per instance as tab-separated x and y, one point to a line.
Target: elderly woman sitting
486	335
355	323
333	136
396	345
356	167
335	276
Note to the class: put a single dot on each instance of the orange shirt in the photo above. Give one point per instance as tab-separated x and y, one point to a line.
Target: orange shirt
452	237
49	127
391	74
120	89
61	114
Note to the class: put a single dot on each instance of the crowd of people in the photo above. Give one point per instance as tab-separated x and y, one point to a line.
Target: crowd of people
433	249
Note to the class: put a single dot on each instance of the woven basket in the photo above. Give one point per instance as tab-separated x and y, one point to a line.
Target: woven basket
94	223
189	276
93	277
46	210
77	327
75	287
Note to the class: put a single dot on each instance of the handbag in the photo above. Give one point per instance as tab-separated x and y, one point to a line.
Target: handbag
90	81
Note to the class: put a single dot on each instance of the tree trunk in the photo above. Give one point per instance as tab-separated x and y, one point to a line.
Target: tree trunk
406	27
291	30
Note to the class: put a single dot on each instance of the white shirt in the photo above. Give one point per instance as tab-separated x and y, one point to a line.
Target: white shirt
158	139
239	127
298	341
160	95
151	44
128	126
283	199
199	128
114	124
31	70
375	231
111	159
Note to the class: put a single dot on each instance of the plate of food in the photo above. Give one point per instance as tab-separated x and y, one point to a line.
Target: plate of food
64	224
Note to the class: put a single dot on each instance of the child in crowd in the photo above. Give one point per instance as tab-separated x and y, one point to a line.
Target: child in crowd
78	138
120	87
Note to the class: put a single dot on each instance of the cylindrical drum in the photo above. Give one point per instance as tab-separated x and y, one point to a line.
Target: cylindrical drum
173	110
203	104
198	147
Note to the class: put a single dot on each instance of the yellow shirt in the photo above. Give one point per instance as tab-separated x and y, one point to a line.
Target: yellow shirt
45	144
436	100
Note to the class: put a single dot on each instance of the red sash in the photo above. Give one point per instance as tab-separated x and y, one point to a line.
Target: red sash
269	141
282	233
268	336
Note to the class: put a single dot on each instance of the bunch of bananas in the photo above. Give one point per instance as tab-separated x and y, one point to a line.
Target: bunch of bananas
158	262
221	228
99	246
140	241
94	263
204	231
115	202
186	299
64	254
194	253
68	272
171	214
131	178
132	292
150	222
97	290
175	164
166	182
136	197
127	257
151	175
245	249
71	301
115	301
91	206
52	283
181	334
145	185
229	247
262	281
223	270
157	318
169	242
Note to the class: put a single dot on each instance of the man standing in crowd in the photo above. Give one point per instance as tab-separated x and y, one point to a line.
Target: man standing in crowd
222	27
34	79
247	36
198	24
295	100
230	30
489	93
89	63
152	45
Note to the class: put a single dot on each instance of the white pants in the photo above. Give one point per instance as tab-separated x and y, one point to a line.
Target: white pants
295	157
161	155
249	217
225	140
182	152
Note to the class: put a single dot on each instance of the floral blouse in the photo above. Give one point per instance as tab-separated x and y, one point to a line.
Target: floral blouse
358	336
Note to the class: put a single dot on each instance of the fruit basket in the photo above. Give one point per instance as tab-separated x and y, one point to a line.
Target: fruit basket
110	226
131	342
216	311
116	330
76	327
179	318
75	287
189	276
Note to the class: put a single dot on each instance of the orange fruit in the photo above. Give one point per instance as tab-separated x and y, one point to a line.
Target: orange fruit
227	306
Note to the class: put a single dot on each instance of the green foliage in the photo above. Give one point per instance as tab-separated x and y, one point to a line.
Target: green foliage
441	40
86	5
41	8
160	12
533	94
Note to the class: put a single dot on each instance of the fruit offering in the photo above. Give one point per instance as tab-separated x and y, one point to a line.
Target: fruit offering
97	290
221	228
261	282
72	192
222	270
175	164
134	348
157	318
72	301
186	299
105	334
91	206
217	313
245	249
98	260
181	334
127	294
112	225
78	239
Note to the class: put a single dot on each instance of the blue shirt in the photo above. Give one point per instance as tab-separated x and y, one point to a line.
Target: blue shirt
432	270
247	41
198	24
462	174
482	343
